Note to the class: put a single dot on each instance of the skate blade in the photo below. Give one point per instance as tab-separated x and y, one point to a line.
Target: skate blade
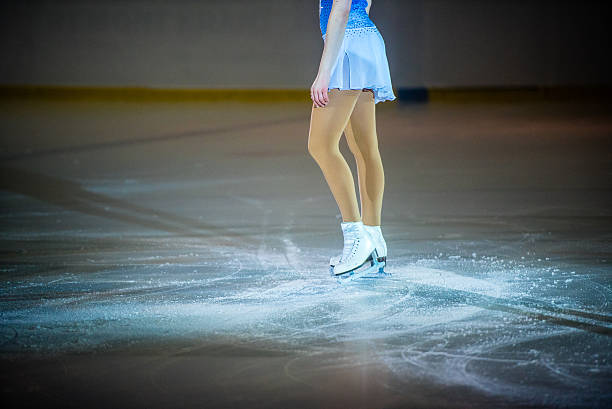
371	268
369	262
379	273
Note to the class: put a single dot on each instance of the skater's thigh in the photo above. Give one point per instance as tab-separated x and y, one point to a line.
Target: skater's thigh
328	122
361	129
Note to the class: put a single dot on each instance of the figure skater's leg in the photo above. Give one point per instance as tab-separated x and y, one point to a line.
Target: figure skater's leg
362	140
326	126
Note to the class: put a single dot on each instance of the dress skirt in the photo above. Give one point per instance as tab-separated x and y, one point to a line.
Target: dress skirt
362	63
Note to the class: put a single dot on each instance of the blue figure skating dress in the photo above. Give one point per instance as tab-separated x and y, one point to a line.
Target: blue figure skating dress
362	60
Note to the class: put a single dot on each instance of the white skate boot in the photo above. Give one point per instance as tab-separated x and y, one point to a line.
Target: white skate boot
359	256
346	226
379	243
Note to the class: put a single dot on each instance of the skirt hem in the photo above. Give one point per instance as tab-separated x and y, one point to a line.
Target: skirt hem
381	94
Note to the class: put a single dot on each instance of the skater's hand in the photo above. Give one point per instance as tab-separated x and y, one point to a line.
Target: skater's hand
318	91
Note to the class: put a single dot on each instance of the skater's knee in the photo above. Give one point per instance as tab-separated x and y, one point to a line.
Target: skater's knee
366	148
313	149
354	149
320	150
370	152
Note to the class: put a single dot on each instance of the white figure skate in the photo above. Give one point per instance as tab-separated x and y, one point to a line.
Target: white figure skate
380	245
359	256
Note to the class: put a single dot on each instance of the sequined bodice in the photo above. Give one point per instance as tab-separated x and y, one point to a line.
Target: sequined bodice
358	17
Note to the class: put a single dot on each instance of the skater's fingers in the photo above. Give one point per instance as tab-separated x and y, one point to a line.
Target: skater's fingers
317	98
321	97
325	95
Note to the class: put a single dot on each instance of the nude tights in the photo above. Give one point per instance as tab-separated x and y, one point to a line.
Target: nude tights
352	112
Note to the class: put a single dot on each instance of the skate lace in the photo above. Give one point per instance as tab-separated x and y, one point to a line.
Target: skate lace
351	242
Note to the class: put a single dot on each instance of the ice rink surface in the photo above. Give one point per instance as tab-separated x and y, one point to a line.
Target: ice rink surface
176	255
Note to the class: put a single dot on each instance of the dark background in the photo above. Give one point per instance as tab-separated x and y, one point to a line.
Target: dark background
277	43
